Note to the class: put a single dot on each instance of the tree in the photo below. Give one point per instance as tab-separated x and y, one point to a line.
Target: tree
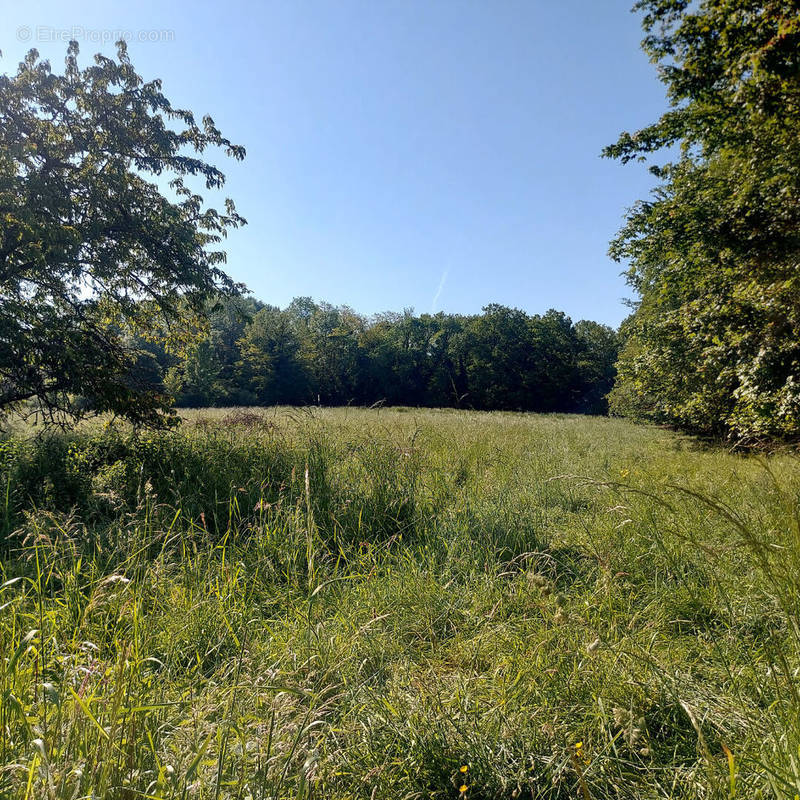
93	253
554	380
714	344
598	349
501	360
329	347
198	383
270	365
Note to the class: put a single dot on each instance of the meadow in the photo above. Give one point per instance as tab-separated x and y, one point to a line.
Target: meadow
396	603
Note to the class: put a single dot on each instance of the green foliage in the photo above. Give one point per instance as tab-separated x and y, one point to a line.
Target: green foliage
360	603
315	353
598	348
714	344
94	257
270	364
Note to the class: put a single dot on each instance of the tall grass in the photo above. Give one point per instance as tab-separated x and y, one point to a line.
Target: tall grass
397	604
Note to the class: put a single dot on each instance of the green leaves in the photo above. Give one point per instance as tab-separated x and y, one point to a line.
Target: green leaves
91	249
714	344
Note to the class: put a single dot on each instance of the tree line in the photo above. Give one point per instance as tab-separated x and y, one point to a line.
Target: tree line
318	353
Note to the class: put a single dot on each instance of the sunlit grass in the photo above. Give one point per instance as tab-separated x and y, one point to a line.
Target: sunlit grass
350	603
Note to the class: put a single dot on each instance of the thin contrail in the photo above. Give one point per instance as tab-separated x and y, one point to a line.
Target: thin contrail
439	291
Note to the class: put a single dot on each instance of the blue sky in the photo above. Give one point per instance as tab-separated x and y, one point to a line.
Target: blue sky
435	154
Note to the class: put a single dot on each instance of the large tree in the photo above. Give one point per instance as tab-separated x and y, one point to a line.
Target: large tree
101	240
714	344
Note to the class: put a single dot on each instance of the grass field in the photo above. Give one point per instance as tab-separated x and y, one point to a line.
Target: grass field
397	604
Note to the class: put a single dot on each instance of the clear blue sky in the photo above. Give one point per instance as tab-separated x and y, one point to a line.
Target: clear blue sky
440	154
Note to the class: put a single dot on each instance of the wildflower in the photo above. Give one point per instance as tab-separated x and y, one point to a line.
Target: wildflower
463	788
463	768
624	473
578	747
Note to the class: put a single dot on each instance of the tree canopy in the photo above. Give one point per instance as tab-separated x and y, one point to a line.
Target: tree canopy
714	343
310	353
102	242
